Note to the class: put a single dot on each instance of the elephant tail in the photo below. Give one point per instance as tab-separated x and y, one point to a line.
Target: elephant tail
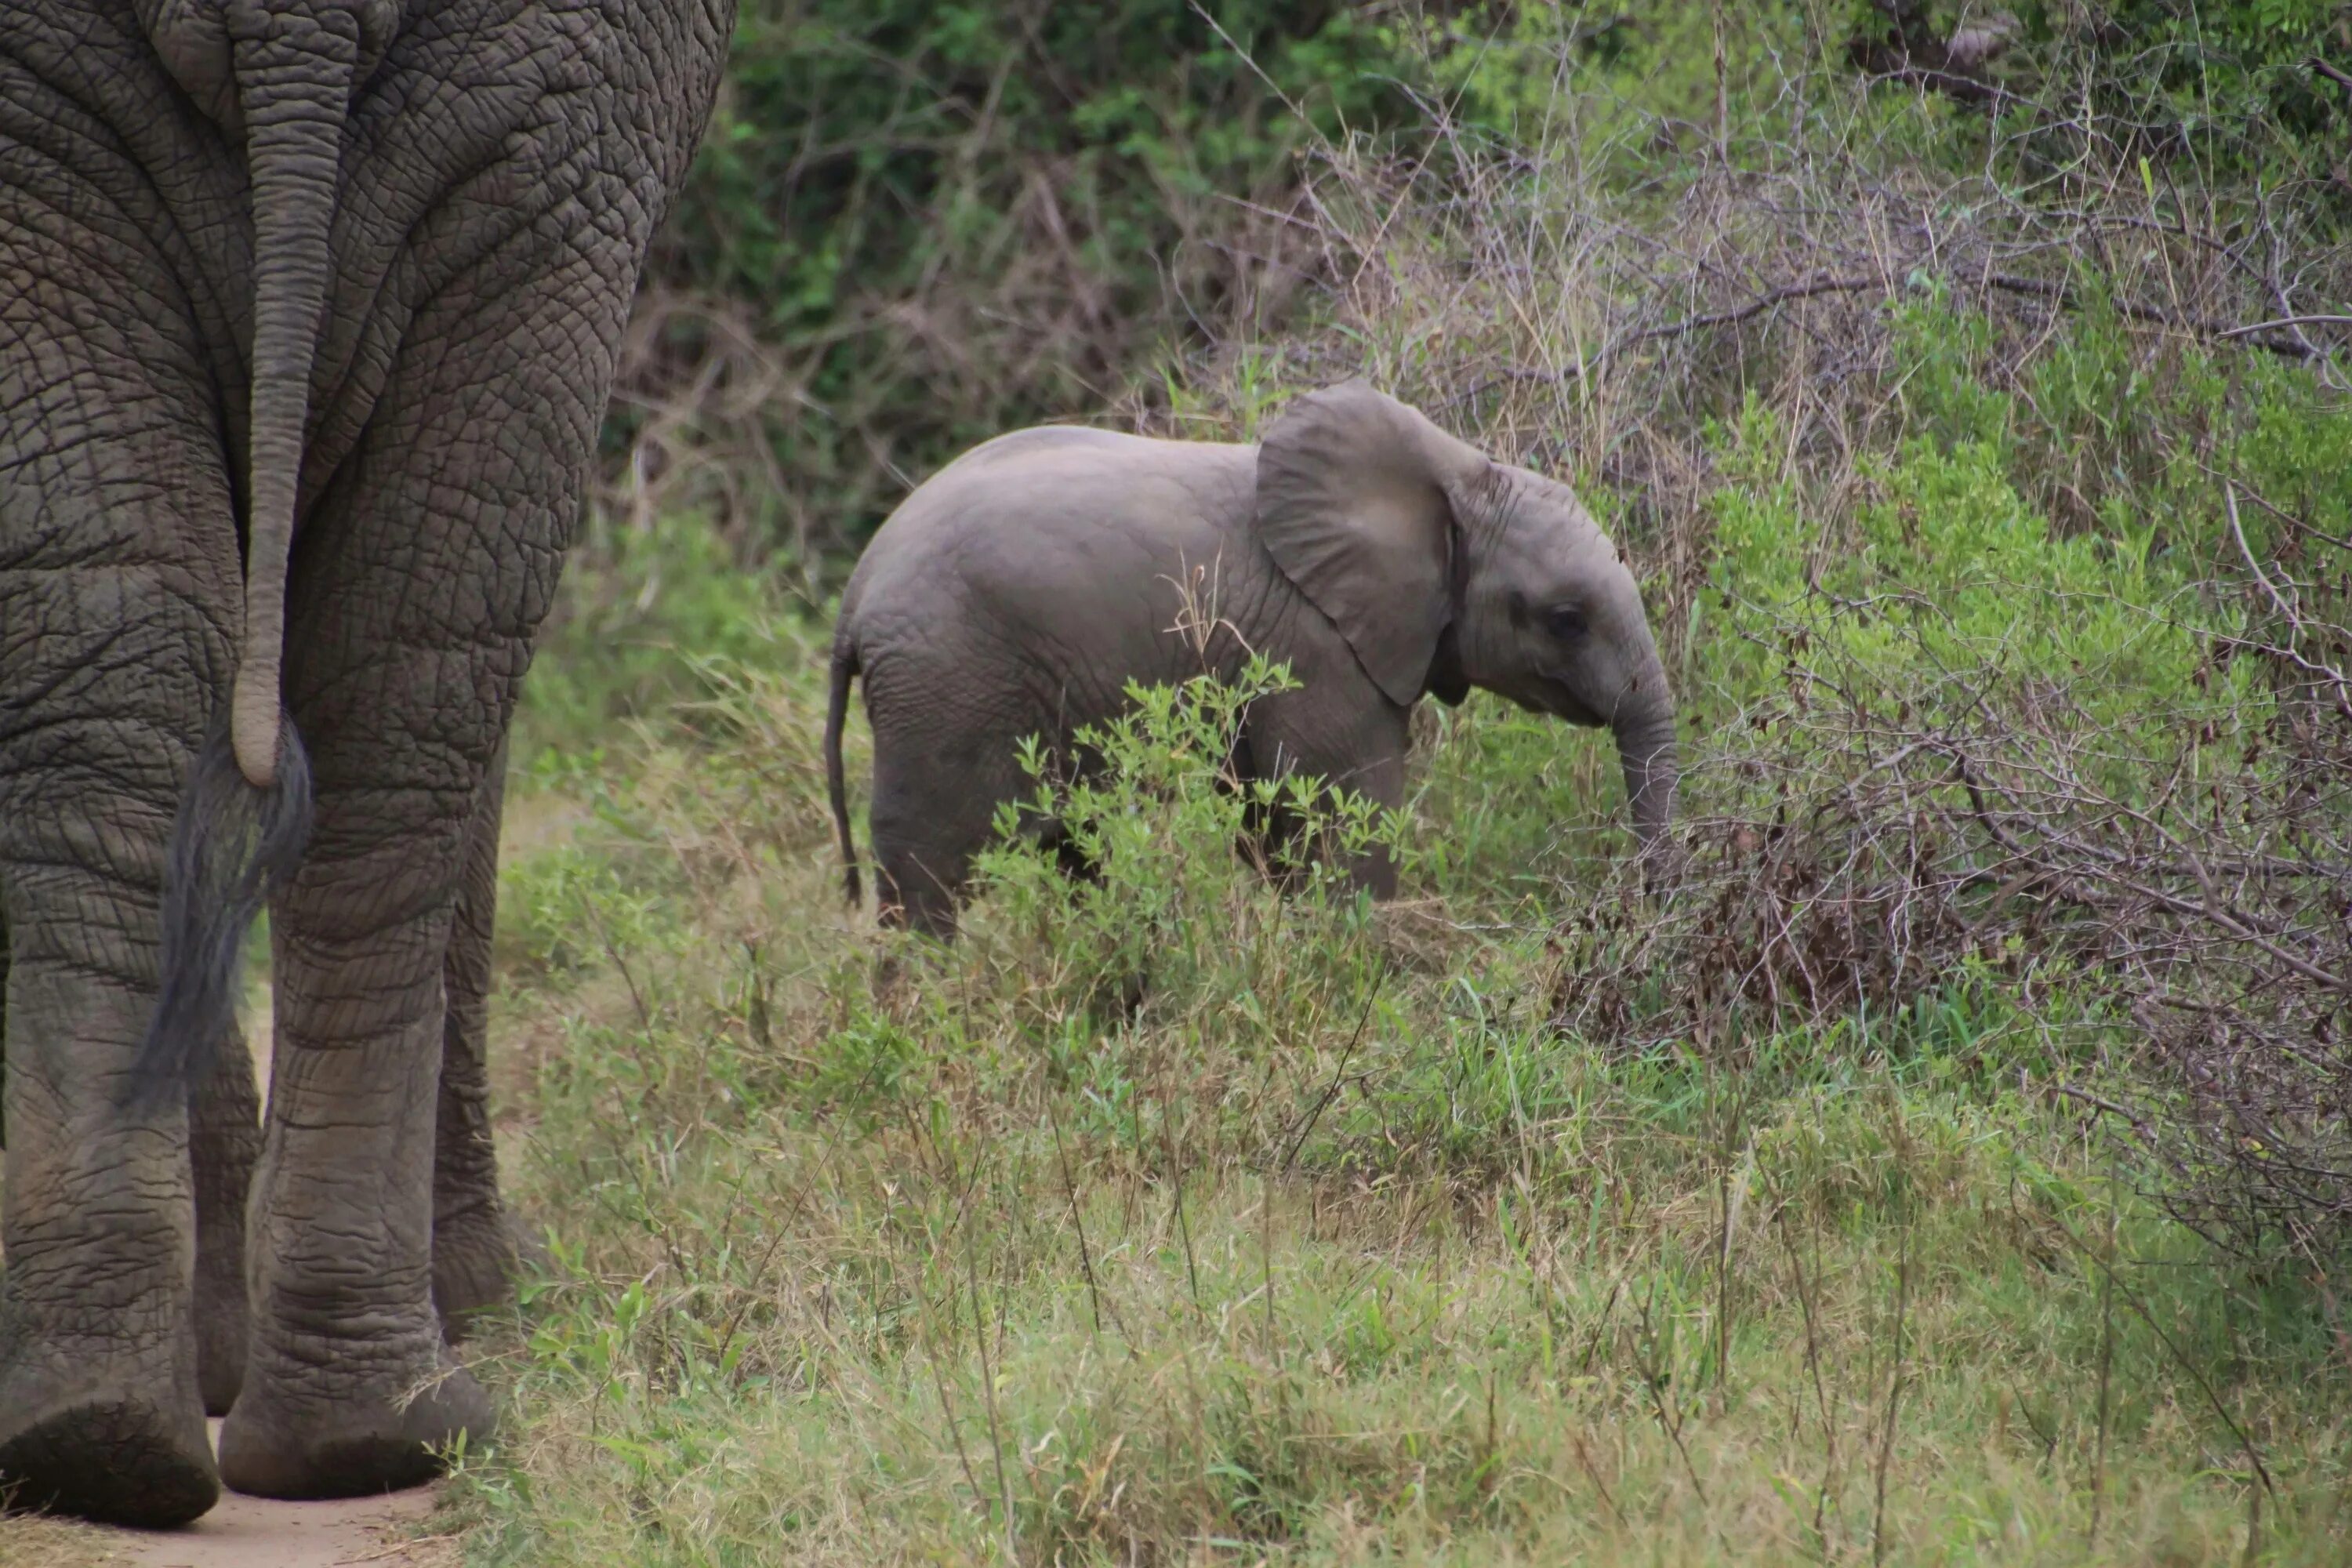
244	813
230	846
836	710
294	79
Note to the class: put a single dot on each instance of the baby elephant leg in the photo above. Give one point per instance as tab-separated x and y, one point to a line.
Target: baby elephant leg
929	822
1361	751
920	890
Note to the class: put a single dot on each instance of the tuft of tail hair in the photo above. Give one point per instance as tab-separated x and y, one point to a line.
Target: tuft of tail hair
231	845
836	710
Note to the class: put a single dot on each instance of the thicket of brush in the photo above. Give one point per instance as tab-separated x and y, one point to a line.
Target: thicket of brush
1982	448
915	225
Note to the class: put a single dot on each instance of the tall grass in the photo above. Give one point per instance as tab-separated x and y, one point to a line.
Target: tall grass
1334	1247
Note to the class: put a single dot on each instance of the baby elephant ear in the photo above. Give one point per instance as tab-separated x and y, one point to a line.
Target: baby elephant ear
1356	501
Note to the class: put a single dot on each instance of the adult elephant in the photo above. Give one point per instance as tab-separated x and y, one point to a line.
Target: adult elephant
308	312
1018	590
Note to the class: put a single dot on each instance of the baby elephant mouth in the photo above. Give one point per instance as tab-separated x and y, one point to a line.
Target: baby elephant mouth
1548	695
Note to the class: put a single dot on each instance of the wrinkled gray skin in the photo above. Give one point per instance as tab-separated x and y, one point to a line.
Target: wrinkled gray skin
1020	588
309	311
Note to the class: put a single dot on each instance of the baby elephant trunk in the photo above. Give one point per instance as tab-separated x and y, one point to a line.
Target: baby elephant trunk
1645	745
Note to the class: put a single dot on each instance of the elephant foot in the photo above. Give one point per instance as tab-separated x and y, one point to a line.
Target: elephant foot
119	1453
477	1259
309	1448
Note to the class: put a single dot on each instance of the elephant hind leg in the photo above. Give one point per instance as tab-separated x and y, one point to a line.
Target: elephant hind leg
117	571
478	1246
924	887
930	818
224	1142
1070	857
100	1413
918	891
117	1458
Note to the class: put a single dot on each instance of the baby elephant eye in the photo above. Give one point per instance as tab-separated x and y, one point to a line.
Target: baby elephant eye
1566	622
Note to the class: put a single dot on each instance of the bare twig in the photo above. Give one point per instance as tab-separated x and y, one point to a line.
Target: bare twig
1894	1400
1808	1288
1339	1073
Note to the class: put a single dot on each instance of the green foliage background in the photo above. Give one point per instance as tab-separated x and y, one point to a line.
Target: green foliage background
946	220
913	226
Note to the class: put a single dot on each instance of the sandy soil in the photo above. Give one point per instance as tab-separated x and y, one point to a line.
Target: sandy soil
254	1532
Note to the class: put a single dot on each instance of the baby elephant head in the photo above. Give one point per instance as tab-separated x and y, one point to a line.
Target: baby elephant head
1446	570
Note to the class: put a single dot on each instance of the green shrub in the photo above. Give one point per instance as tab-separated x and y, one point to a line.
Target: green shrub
2231	80
1171	844
642	623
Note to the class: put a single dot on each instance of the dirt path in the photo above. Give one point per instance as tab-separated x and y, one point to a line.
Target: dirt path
255	1532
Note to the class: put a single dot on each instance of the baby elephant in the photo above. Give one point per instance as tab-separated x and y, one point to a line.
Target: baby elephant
1018	590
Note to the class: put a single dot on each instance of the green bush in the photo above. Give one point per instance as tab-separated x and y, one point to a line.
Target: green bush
641	626
2232	78
1169	846
1333	1234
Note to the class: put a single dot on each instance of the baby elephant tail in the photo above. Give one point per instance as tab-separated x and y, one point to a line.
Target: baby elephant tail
837	709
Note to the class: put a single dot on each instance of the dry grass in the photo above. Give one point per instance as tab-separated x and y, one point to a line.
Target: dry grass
31	1541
